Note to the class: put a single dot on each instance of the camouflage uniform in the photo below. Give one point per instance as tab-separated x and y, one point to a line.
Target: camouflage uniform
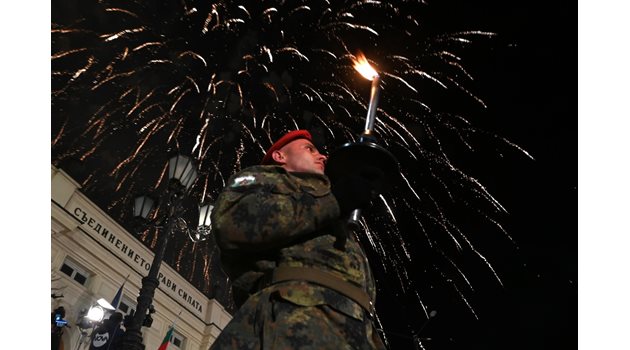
267	218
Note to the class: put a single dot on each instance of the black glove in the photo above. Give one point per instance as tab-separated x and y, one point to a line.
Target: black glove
355	190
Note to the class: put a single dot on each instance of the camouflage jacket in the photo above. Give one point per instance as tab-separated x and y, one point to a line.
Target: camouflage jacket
267	217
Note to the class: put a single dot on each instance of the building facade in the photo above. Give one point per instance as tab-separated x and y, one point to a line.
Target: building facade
92	256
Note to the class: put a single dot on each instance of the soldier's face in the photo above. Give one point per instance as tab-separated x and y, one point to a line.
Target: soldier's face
301	156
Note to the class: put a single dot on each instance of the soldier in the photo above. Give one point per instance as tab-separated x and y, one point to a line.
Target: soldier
301	281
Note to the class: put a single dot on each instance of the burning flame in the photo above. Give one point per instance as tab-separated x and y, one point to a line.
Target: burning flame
362	66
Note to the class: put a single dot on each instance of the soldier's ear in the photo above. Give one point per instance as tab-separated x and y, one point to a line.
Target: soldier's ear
278	157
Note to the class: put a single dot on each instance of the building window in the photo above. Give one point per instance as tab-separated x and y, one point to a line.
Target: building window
74	271
126	306
178	340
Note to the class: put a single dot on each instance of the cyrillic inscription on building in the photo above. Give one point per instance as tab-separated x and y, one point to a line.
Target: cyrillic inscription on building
138	261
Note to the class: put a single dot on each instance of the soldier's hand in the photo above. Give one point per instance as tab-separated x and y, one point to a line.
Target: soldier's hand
375	177
355	190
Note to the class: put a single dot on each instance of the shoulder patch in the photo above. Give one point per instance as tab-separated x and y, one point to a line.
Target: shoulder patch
243	181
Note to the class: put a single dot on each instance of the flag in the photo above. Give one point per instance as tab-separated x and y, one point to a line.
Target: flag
169	334
167	338
118	295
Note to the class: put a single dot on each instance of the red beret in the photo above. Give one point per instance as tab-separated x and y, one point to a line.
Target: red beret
284	140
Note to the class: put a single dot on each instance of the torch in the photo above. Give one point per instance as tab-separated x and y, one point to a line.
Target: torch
362	66
351	158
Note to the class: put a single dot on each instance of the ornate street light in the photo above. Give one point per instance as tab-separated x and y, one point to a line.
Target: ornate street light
182	173
142	207
203	229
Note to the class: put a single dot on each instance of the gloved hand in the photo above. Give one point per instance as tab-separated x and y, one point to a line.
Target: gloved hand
355	190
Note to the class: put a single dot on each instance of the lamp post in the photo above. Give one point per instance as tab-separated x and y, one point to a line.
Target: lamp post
182	173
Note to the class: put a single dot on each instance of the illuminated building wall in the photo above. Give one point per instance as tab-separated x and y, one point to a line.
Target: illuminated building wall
91	255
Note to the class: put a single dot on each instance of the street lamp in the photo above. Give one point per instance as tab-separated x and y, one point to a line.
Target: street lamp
203	229
182	173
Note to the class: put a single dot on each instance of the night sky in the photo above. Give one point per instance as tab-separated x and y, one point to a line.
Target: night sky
528	85
525	77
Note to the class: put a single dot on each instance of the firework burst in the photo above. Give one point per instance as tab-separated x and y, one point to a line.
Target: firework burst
133	81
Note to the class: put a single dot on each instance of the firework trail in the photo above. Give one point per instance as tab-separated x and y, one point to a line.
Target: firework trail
133	81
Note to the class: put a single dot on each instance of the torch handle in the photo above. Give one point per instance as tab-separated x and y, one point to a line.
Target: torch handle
353	220
355	216
371	114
